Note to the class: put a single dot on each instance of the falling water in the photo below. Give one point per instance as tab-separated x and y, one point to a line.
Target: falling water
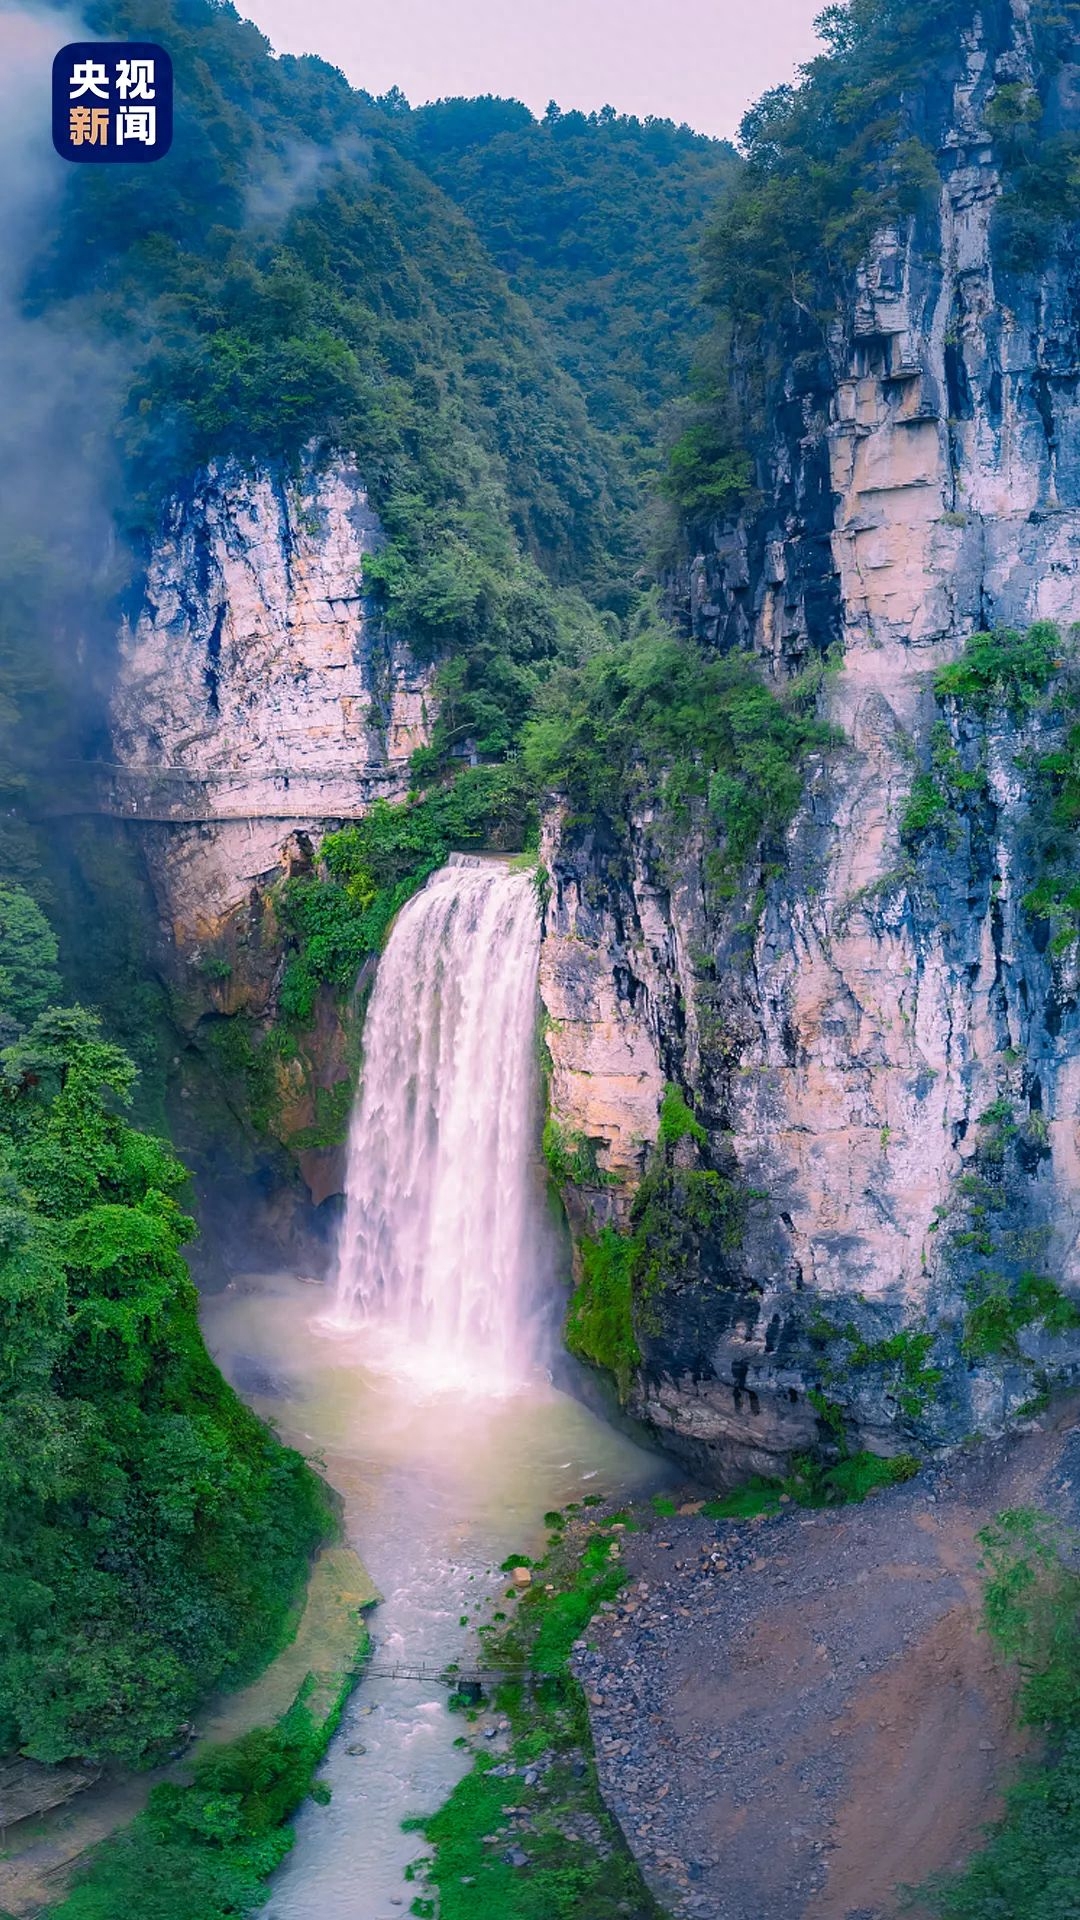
443	1230
444	1259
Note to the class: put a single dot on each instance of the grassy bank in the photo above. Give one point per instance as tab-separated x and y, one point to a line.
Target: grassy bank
1029	1868
526	1836
208	1840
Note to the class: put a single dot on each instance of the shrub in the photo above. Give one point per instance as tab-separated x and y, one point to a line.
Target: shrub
1005	668
677	1121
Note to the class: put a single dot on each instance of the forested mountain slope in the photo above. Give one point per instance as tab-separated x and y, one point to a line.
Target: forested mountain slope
596	219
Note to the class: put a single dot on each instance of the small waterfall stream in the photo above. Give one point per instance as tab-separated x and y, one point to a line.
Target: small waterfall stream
443	1229
423	1389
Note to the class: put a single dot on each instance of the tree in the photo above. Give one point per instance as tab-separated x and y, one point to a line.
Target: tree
28	953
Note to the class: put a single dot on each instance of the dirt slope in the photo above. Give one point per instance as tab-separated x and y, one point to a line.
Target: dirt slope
796	1716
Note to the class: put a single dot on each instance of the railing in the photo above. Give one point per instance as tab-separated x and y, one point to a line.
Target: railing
175	794
447	1676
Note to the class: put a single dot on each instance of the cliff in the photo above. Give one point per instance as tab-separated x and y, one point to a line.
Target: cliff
845	1035
258	703
257	698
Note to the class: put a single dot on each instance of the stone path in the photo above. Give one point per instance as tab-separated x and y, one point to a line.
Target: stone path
795	1716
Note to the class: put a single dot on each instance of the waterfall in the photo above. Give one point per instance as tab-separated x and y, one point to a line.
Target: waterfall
443	1230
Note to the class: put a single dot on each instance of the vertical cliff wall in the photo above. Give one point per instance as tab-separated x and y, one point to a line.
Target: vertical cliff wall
258	703
257	698
844	1035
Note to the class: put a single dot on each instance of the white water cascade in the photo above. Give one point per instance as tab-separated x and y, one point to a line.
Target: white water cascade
443	1232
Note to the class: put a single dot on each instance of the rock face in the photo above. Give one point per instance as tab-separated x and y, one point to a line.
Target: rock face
258	703
257	698
922	481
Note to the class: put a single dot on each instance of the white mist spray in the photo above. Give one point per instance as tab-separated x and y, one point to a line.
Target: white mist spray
443	1232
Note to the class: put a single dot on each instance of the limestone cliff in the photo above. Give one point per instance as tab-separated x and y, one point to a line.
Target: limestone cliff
257	698
919	480
258	703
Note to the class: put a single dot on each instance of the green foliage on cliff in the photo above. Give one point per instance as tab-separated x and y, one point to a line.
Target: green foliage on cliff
1004	669
571	1157
812	1483
997	1314
1030	1866
337	921
684	1222
29	980
899	1359
600	1322
655	719
1017	675
677	1120
1054	798
204	1850
829	163
939	793
991	1255
153	1534
1039	159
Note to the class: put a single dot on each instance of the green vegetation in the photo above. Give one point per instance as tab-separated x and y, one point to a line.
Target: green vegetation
1041	197
1054	798
813	1484
993	1259
653	715
1005	669
153	1534
564	1875
681	1219
295	277
1029	1867
899	1359
205	1850
29	981
828	164
571	1158
996	1315
939	795
1020	674
600	1322
594	218
684	1222
677	1121
336	922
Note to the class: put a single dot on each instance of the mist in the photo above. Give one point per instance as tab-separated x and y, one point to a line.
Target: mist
61	390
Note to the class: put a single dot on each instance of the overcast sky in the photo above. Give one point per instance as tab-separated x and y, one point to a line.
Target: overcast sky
702	61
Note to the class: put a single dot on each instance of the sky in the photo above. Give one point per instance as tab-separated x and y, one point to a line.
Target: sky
702	61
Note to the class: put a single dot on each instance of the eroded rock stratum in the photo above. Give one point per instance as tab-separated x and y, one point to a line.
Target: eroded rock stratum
844	1034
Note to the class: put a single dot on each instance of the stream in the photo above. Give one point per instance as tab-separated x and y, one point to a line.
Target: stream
438	1489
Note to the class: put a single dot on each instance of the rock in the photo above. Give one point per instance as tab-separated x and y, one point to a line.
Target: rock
522	1577
841	1036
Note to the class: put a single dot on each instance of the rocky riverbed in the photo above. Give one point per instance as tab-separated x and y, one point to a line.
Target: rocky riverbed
799	1715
